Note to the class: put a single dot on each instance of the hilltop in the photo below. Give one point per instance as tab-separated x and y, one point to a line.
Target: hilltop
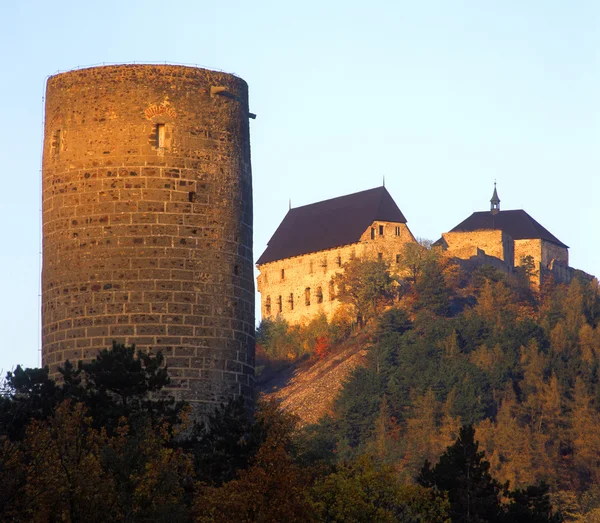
454	347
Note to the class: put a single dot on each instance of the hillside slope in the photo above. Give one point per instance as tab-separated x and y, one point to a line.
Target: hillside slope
309	389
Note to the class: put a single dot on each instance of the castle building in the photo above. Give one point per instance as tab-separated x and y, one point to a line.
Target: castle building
314	241
512	238
147	223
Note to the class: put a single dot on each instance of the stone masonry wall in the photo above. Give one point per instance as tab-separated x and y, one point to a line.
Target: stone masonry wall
464	245
551	251
283	284
147	223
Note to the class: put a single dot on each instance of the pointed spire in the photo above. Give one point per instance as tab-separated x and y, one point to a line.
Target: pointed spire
290	207
384	180
495	201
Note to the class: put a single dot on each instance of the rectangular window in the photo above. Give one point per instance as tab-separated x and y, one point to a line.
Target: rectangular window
380	256
160	135
397	231
339	261
280	304
291	301
372	233
55	145
268	306
282	274
331	291
307	296
381	230
319	295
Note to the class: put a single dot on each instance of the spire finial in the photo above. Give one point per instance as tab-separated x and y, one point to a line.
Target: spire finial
384	180
290	205
495	201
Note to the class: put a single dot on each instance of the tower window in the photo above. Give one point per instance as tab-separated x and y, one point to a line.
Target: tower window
381	230
160	135
291	301
55	145
380	256
282	274
280	304
268	306
372	233
307	296
397	231
331	290
339	261
319	295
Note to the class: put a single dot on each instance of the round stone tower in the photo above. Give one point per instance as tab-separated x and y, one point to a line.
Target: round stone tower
147	223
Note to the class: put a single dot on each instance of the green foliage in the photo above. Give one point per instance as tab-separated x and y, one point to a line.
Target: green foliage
366	285
464	475
365	491
278	340
433	294
117	383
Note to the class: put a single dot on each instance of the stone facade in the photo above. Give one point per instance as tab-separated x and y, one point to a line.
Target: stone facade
465	245
147	223
299	288
548	258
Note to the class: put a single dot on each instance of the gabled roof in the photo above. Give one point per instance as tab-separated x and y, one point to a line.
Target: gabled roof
517	224
330	223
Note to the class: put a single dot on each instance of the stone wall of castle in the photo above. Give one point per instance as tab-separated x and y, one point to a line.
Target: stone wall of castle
147	223
300	288
465	245
551	251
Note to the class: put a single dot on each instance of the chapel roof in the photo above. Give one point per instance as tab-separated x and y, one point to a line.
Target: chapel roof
517	224
330	223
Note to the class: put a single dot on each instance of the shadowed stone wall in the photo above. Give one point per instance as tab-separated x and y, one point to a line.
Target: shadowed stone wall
147	222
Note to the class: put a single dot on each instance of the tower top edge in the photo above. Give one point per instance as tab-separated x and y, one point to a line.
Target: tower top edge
166	66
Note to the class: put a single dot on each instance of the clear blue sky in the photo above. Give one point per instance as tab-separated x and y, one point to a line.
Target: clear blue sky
440	97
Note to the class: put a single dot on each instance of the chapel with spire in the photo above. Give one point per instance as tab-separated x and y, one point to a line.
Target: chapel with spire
508	240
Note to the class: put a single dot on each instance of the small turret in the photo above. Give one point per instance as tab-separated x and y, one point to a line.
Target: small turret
495	202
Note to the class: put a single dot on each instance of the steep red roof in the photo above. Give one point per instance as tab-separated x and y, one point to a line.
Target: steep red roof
330	223
517	224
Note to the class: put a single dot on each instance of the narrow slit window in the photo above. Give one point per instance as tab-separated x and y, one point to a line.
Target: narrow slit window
319	295
160	135
56	142
397	231
268	306
280	304
307	296
339	261
372	233
331	290
381	230
282	274
291	301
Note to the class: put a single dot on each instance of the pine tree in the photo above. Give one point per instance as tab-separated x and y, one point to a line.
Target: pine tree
463	473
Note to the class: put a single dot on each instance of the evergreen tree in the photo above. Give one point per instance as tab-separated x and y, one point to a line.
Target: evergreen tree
463	473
